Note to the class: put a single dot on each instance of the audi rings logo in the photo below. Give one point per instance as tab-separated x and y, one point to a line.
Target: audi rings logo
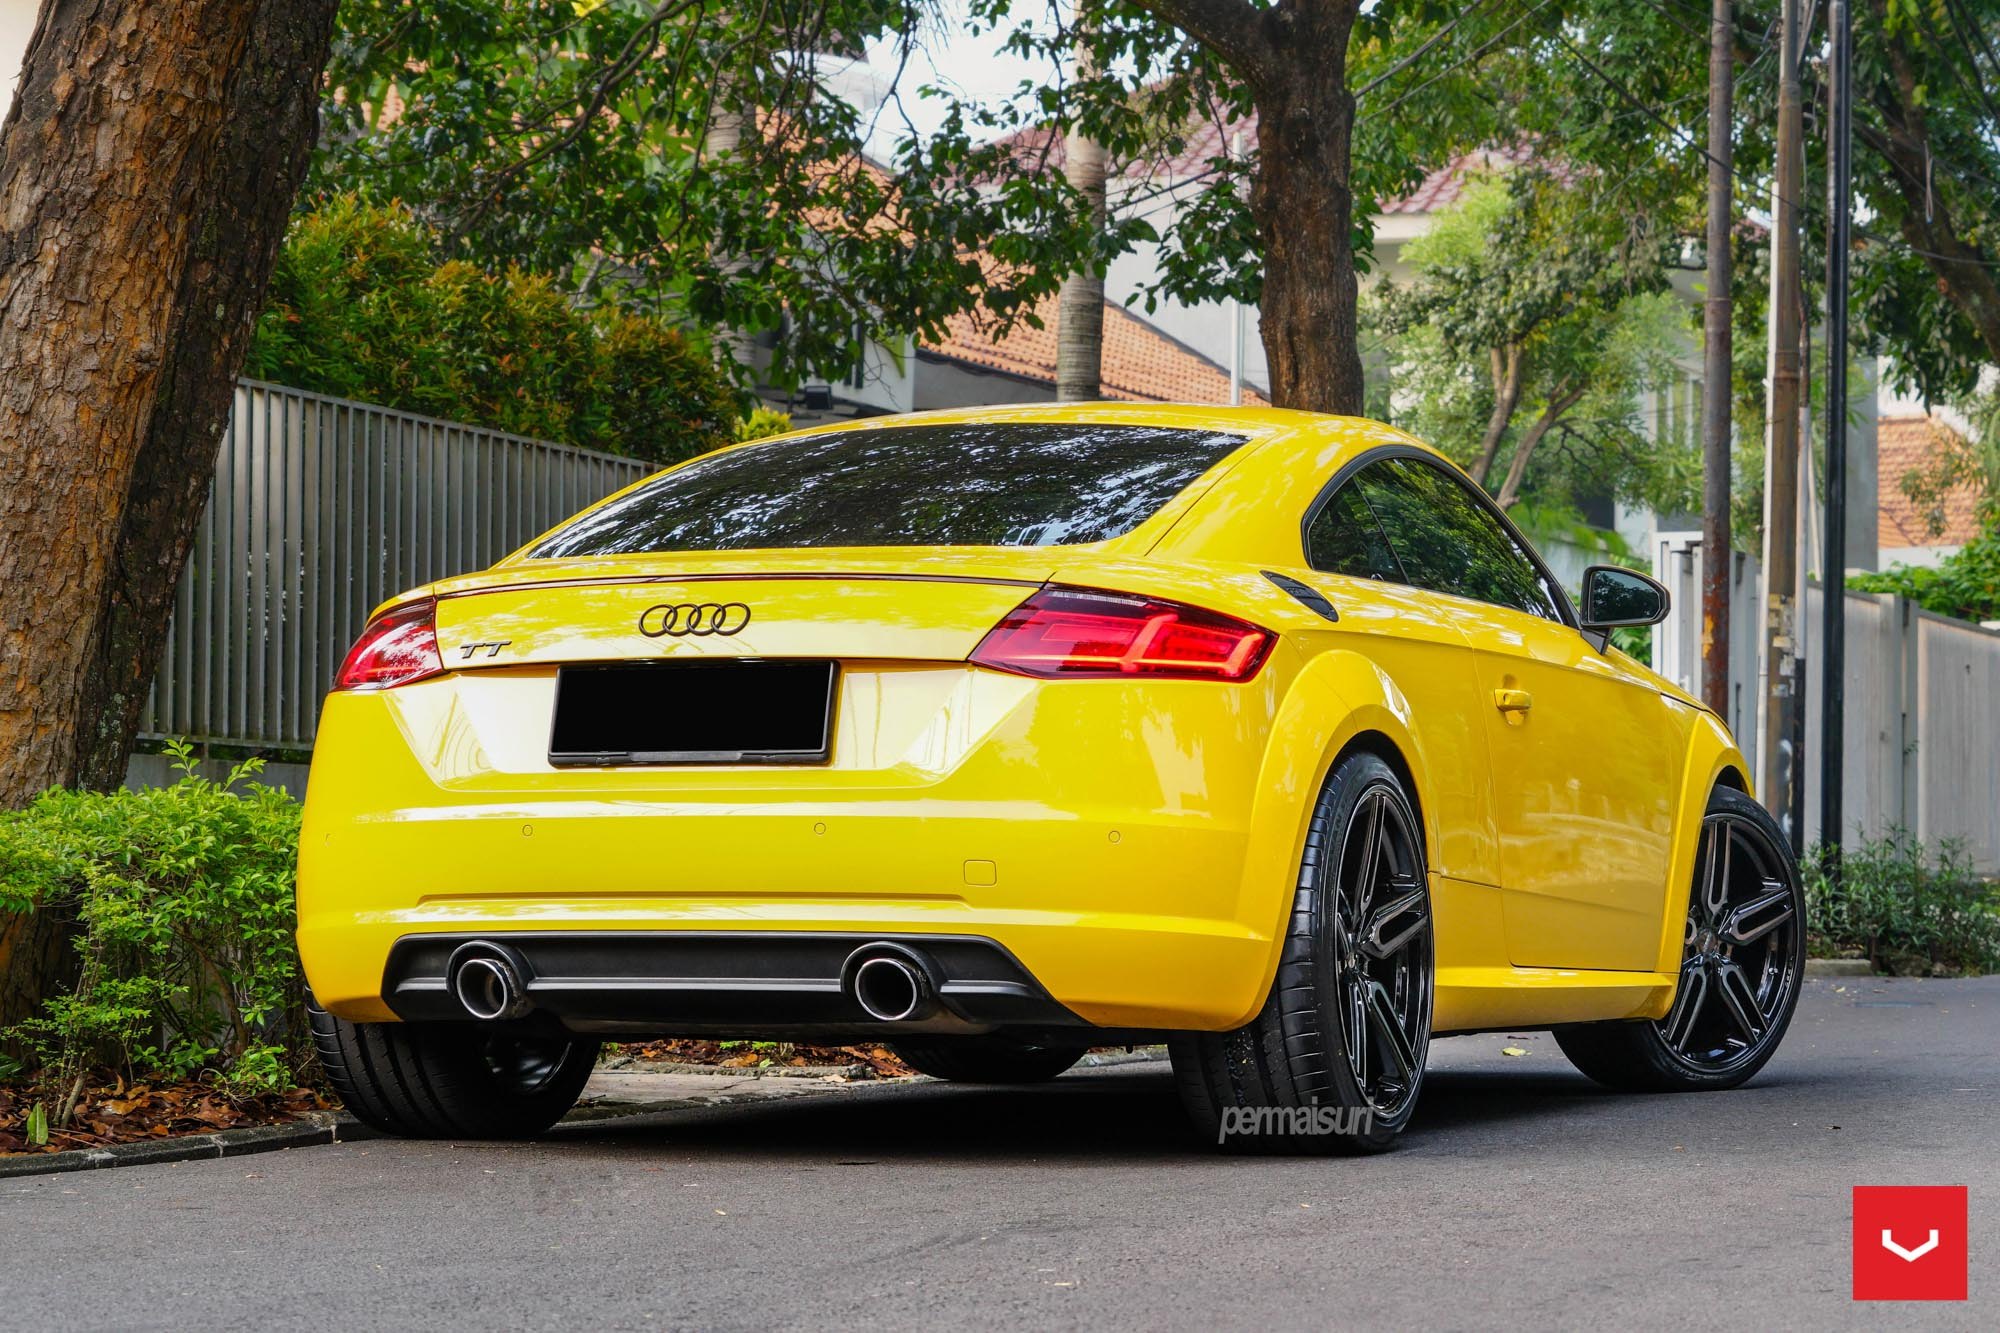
693	619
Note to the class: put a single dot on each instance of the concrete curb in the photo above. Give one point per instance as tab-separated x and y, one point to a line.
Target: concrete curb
1839	967
315	1128
852	1071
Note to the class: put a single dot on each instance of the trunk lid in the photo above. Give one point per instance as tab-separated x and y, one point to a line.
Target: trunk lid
934	606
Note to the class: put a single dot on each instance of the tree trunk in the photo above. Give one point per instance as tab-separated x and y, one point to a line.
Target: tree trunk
1517	470
146	172
1304	212
1080	307
35	960
724	136
1506	397
1293	58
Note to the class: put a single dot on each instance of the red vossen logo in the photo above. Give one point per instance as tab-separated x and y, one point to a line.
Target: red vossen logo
1909	1242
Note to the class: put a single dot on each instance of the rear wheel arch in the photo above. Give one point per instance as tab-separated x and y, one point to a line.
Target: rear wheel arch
1384	748
1341	704
1339	699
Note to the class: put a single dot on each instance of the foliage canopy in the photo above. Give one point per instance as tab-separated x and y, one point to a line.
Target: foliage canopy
360	308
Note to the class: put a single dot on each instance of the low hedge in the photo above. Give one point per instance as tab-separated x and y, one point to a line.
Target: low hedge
179	902
1911	910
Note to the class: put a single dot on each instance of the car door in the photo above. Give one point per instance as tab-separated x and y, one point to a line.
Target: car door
1581	751
1430	661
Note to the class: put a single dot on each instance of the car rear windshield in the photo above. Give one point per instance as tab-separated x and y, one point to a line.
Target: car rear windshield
979	484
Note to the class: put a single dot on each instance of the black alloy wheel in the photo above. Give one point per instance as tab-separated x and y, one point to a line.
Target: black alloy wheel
1743	958
1334	1062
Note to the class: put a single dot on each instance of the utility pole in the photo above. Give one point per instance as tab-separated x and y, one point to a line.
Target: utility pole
1833	574
1715	543
1781	456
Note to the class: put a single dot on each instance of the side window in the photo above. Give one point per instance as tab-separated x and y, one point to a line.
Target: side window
1345	539
1448	542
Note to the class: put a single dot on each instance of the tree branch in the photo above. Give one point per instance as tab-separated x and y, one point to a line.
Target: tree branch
1421	51
622	67
1233	29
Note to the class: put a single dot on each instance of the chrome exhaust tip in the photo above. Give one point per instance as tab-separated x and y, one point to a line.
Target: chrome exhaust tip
489	982
891	988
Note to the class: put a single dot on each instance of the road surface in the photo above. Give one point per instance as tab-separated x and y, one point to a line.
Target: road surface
1522	1193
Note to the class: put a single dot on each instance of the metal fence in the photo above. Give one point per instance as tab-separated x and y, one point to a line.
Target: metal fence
320	510
1920	724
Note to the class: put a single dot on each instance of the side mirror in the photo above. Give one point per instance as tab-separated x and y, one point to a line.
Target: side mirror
1614	596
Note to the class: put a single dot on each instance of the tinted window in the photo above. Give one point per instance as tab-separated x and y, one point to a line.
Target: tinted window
993	484
1345	539
1447	541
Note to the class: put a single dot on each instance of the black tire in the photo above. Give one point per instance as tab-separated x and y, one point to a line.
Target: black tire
1739	980
991	1058
1334	1062
451	1080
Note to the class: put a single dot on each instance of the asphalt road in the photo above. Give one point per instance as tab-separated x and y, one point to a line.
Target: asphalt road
1522	1193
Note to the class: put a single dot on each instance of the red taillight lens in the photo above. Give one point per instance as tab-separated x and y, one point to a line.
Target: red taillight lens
399	646
1077	632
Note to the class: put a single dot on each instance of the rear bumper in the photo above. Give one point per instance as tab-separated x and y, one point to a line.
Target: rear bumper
1096	835
727	983
667	967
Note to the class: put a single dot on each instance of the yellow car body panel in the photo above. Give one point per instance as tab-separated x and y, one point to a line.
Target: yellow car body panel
1133	843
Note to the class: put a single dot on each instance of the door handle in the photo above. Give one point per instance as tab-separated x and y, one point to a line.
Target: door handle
1513	701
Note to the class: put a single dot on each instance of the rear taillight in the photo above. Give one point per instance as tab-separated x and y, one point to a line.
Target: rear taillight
1077	632
399	646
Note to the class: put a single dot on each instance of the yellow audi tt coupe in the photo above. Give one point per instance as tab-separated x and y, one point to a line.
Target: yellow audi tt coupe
1001	734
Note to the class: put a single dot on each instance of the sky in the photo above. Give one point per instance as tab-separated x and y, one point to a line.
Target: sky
946	54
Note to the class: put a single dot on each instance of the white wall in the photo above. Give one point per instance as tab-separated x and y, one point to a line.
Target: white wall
1208	328
17	25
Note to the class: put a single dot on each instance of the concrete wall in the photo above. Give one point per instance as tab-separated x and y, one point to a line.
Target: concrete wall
1920	718
941	383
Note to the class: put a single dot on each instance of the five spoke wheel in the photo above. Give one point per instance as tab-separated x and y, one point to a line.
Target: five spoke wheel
1741	966
1742	956
1381	928
1334	1061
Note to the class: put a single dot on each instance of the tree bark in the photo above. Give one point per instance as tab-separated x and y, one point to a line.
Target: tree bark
1506	397
1517	469
1080	306
724	136
1293	58
1717	361
146	172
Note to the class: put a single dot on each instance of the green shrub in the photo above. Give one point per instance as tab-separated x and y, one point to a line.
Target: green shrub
1965	585
653	385
761	422
181	898
1906	910
359	307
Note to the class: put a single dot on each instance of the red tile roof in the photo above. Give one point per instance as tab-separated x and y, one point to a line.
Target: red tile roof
1908	444
1141	363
